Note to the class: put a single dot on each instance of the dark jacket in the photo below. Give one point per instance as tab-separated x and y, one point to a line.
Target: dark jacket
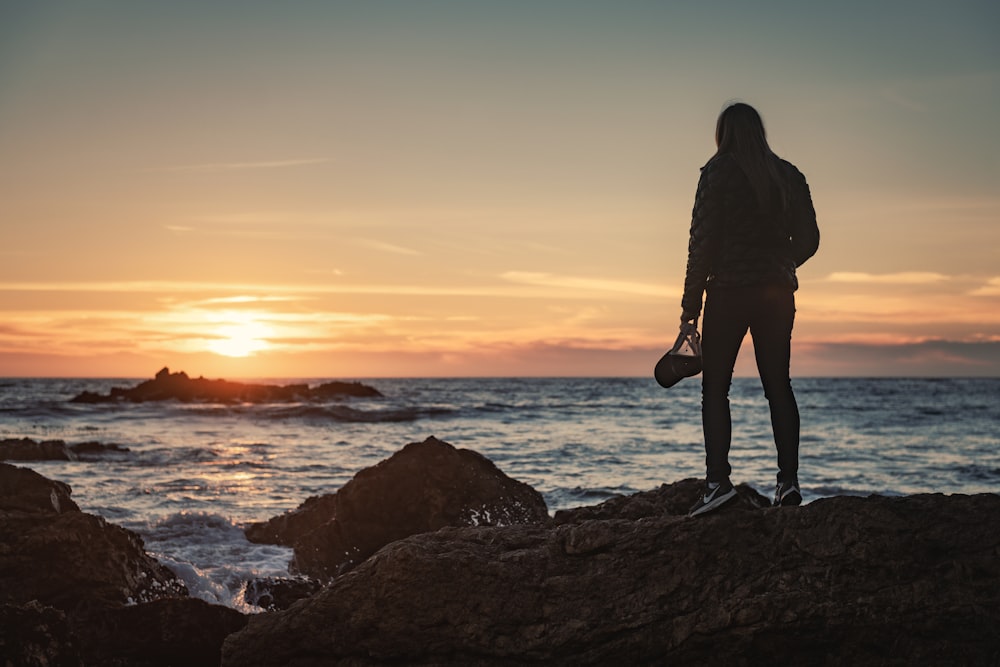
736	242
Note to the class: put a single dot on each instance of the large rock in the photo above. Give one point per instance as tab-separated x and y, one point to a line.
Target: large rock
76	590
845	580
423	487
52	552
75	561
178	386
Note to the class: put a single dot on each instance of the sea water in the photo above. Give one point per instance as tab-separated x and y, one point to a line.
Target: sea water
194	474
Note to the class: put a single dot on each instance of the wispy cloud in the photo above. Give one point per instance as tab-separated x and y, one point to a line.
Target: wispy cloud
991	288
169	287
240	166
902	278
387	247
586	284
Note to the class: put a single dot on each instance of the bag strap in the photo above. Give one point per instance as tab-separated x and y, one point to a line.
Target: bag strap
688	341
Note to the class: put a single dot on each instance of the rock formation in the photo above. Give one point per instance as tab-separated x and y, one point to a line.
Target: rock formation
26	449
75	589
421	488
845	580
178	386
53	553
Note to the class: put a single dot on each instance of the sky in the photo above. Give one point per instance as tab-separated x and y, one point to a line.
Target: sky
444	188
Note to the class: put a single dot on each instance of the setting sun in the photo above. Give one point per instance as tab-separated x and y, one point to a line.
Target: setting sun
240	339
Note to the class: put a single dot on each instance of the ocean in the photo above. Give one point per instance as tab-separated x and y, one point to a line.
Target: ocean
196	473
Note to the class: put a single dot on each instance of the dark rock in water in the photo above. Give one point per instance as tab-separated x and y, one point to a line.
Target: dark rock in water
178	386
34	635
162	633
26	449
840	581
421	488
95	450
24	490
271	593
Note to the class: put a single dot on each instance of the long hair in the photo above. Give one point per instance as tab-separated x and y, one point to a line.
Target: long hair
740	132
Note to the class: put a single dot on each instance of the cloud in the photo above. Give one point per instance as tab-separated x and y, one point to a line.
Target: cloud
387	247
241	166
991	288
901	278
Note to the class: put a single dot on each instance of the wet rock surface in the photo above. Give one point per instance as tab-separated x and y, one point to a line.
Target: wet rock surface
274	593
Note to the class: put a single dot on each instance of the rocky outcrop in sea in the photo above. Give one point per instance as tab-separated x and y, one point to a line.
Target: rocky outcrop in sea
178	386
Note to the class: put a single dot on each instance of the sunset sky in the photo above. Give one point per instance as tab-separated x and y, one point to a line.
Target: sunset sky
445	188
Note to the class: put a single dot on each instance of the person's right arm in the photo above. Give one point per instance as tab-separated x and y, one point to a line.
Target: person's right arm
704	240
805	230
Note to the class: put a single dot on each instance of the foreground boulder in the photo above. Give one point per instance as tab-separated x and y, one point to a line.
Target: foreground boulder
76	590
178	386
53	553
845	580
423	487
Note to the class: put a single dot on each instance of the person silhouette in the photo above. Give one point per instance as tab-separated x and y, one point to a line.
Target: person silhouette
753	224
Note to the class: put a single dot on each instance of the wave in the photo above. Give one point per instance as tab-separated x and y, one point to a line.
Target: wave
336	412
212	556
343	413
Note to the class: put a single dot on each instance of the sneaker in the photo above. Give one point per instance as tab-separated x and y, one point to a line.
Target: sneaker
787	494
715	497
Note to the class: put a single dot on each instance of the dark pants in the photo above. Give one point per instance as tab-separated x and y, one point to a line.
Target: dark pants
768	313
